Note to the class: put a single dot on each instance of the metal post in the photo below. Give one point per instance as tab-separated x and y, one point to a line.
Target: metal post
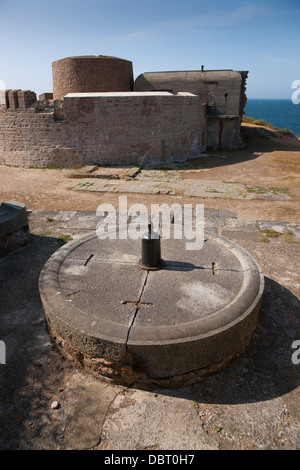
151	251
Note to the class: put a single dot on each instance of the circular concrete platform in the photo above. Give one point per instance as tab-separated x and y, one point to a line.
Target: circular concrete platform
148	329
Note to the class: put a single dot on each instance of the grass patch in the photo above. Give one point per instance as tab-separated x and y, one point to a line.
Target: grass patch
264	240
218	429
264	190
256	189
248	119
280	190
64	239
213	191
287	238
259	122
49	219
271	233
85	185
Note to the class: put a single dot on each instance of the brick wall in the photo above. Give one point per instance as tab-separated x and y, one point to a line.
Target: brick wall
111	128
31	138
91	74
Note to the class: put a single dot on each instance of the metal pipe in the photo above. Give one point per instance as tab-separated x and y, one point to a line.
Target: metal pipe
151	251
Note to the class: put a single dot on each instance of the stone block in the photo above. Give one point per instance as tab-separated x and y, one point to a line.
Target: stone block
13	217
13	99
46	96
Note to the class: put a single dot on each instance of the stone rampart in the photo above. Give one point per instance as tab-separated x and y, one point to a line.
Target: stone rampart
104	128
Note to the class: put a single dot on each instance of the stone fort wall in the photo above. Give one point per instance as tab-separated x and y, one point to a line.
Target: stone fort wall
104	128
91	74
97	115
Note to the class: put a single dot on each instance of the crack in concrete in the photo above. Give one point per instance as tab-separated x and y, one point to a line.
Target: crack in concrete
106	416
138	304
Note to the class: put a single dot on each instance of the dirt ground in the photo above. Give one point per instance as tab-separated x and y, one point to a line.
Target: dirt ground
267	159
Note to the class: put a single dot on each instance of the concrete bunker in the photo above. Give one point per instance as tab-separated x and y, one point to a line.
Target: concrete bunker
222	93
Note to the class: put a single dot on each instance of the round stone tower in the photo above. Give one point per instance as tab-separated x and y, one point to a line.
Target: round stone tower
88	74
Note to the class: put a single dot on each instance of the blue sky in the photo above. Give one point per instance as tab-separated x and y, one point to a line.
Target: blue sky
259	36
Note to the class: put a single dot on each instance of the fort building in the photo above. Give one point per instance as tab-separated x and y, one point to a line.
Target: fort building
91	74
98	114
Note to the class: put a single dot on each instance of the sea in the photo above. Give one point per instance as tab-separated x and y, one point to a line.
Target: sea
283	114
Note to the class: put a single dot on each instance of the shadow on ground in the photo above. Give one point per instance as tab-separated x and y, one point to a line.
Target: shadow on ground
24	379
255	141
266	370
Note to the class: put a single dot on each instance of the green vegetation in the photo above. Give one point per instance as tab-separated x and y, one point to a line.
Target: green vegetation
265	190
280	190
64	239
261	122
49	219
248	119
85	185
256	189
265	240
269	125
213	191
218	429
271	233
133	175
257	122
287	237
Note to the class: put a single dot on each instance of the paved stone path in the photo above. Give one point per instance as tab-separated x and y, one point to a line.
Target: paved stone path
178	186
171	182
